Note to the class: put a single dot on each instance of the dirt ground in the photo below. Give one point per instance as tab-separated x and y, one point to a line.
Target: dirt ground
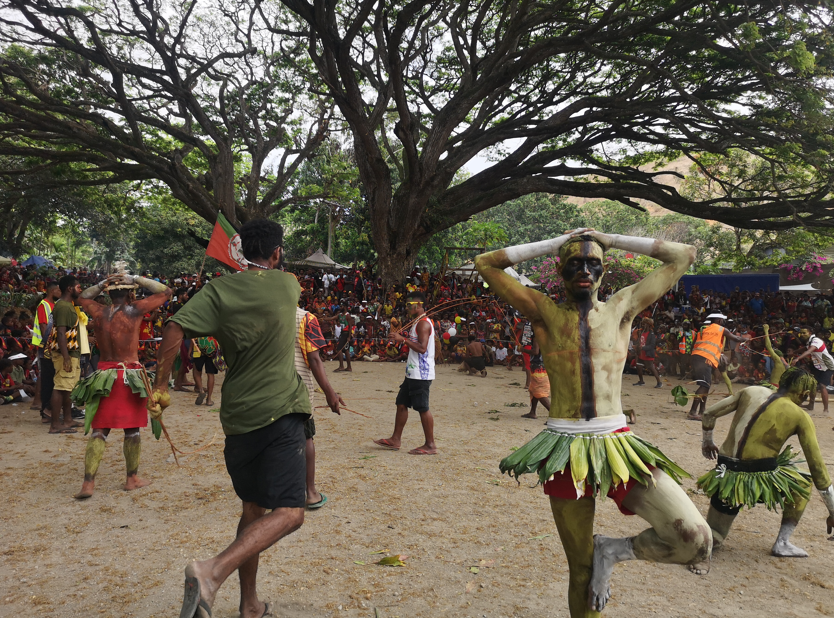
478	544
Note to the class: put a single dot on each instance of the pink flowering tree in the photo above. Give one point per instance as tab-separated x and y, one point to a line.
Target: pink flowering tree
813	266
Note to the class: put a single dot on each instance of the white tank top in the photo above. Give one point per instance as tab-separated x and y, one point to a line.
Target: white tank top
421	366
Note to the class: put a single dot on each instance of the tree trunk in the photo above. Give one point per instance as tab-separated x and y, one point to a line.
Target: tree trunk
330	226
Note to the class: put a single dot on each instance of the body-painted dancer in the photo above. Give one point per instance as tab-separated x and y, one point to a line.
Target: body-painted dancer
115	395
752	467
587	449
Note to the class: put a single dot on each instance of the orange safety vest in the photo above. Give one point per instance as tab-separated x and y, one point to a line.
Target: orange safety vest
710	343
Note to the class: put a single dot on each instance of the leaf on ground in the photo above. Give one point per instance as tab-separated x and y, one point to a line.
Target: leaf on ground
539	538
474	570
369	456
513	448
494	482
380	551
358	562
515	404
394	561
471	586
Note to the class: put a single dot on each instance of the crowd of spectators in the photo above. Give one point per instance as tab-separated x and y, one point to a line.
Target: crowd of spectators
354	307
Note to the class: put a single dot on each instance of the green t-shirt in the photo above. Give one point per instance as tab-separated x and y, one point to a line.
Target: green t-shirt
252	316
64	315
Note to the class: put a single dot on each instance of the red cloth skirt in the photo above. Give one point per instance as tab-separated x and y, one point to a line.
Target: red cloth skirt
562	487
123	409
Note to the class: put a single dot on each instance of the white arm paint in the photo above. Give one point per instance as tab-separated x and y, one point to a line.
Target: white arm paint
634	244
828	497
521	253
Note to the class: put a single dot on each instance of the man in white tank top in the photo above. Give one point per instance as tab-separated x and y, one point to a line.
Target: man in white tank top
419	373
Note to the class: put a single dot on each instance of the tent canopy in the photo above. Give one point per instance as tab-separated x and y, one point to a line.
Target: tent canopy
802	287
320	260
468	271
37	260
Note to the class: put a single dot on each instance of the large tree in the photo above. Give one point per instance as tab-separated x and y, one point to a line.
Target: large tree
198	95
578	98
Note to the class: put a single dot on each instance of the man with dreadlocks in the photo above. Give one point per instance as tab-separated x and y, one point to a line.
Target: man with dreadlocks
587	449
752	467
115	395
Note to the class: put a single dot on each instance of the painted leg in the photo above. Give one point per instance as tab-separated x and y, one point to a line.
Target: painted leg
575	523
92	459
783	548
720	524
132	451
728	382
679	534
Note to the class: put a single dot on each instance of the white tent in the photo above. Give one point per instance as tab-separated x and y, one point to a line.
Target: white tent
320	260
802	287
467	271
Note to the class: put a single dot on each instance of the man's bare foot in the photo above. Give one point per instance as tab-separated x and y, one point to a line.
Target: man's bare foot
694	417
529	415
607	553
632	417
181	389
87	488
338	370
349	369
209	402
423	450
786	549
200	591
134	482
389	443
700	568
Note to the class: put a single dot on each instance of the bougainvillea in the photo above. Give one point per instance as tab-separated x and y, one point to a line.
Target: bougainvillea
812	266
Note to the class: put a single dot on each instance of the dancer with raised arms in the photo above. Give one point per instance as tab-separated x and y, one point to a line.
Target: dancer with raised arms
587	449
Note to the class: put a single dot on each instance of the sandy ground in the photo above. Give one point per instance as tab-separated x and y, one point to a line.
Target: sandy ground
122	554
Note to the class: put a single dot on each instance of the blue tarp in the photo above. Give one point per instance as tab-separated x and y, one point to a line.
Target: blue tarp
728	283
37	260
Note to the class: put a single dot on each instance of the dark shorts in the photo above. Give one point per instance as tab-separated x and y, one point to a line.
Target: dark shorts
309	428
204	362
414	394
823	377
268	465
701	371
476	362
342	344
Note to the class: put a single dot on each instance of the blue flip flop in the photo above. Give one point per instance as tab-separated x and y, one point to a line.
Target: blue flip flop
319	504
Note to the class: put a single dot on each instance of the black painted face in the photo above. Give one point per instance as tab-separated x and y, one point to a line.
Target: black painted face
582	269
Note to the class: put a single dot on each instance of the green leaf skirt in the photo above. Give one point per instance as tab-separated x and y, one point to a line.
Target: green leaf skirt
90	390
601	461
773	488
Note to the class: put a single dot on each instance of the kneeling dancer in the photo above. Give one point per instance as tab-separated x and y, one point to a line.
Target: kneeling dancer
751	469
116	394
587	449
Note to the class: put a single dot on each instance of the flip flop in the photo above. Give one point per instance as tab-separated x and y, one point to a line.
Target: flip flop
200	398
385	443
316	505
64	430
193	605
421	451
268	609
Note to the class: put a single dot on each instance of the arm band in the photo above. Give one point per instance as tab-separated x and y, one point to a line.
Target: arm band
828	497
92	291
707	439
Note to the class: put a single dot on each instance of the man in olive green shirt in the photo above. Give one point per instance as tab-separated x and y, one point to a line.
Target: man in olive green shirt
64	346
263	409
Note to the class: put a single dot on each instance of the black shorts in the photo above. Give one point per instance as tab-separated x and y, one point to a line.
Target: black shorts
204	362
822	376
701	371
476	362
342	344
309	428
414	394
268	466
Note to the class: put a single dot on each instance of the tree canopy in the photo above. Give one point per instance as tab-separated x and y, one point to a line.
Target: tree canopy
200	96
579	99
